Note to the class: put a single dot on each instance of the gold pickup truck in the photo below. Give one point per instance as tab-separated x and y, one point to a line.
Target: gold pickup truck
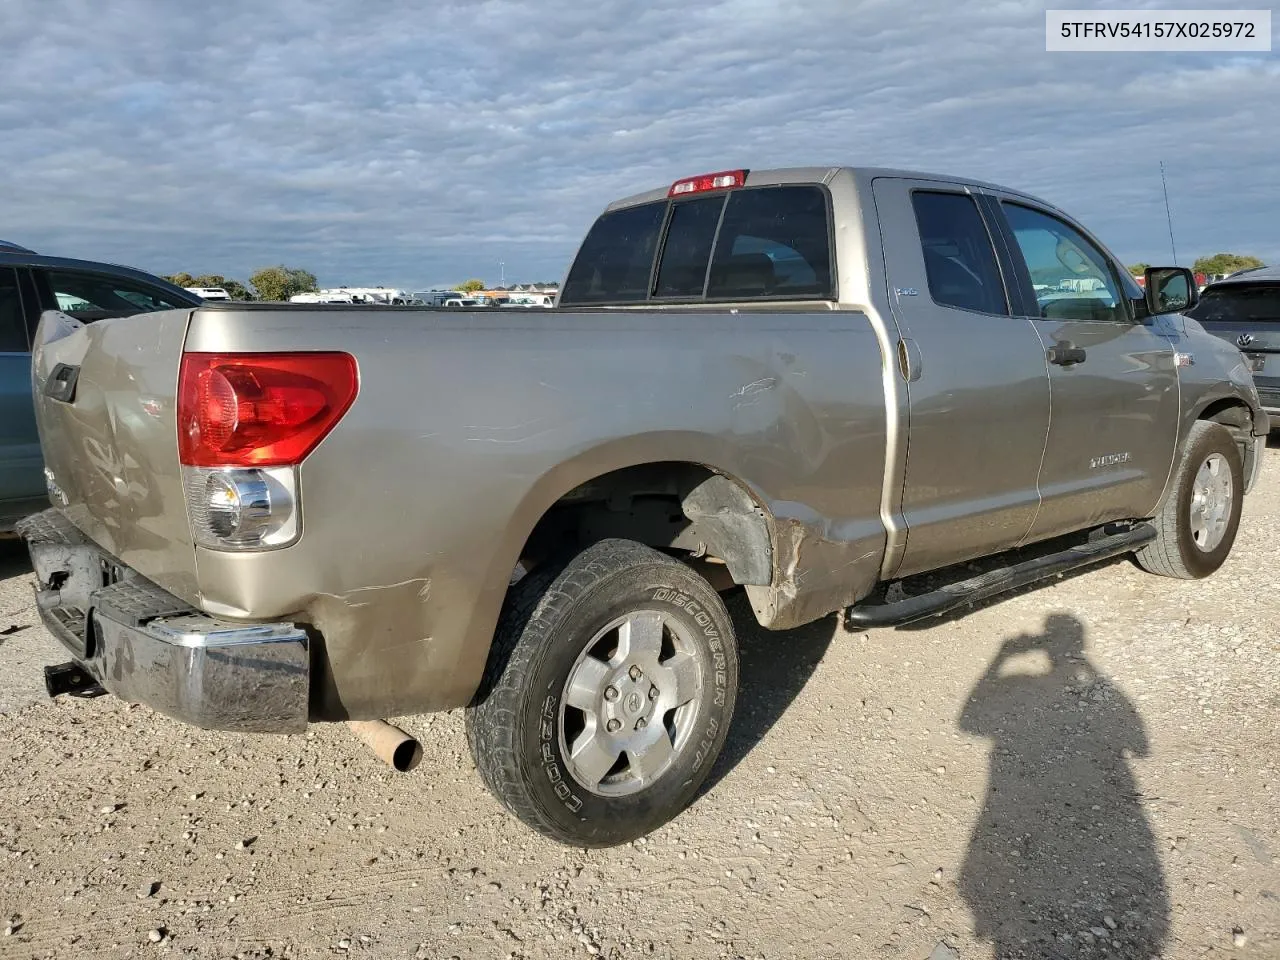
810	384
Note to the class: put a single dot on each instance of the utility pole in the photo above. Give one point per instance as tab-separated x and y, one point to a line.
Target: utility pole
1167	214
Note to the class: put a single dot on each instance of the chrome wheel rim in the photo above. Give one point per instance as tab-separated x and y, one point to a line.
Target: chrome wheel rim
630	703
1211	492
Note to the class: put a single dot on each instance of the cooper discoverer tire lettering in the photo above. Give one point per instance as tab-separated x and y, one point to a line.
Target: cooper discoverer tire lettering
607	696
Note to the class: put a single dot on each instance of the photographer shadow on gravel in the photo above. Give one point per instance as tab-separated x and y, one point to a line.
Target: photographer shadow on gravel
1062	861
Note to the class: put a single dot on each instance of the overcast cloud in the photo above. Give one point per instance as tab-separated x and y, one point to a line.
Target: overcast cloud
403	143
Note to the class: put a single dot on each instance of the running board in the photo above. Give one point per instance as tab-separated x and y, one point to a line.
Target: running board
953	595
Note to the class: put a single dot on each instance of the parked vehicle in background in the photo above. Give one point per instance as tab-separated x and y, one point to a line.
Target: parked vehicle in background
209	293
528	300
813	383
387	296
322	297
436	297
1244	310
464	302
84	290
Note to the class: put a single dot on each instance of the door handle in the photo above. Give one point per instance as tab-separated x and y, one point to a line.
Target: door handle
1065	354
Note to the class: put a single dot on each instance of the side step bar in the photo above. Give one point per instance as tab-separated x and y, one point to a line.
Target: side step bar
953	595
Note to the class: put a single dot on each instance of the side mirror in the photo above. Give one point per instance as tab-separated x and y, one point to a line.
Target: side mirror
1170	290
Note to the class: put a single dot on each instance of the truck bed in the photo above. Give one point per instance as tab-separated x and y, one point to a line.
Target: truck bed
467	427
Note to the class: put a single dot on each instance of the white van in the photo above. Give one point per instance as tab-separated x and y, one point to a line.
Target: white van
209	293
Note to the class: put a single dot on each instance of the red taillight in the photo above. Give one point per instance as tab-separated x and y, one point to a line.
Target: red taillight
708	181
260	409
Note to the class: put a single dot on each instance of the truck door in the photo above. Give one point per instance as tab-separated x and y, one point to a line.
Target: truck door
1112	379
978	392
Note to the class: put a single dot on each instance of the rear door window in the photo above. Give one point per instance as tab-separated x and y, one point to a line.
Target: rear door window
774	242
616	258
959	260
683	270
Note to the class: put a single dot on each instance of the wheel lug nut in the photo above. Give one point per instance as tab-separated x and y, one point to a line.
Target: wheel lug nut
653	693
613	726
634	672
641	723
611	693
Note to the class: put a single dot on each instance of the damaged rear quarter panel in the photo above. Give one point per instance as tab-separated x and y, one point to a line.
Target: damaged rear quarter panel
469	426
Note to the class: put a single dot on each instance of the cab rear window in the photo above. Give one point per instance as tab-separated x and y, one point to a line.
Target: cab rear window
754	243
616	259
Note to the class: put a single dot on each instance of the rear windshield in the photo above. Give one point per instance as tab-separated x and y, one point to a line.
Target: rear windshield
1239	303
747	244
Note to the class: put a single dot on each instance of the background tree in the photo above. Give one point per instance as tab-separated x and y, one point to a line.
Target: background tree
471	286
1138	269
281	282
1226	263
235	288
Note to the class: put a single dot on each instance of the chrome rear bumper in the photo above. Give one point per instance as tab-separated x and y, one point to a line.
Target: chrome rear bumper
146	646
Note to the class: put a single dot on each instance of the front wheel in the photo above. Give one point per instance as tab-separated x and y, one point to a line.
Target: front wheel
607	696
1196	527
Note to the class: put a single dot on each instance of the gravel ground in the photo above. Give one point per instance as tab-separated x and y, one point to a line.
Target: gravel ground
1088	769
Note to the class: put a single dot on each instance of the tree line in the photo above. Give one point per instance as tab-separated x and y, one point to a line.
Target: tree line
269	283
1217	263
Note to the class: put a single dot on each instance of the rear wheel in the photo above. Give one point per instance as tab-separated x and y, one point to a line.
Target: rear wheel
607	696
1196	527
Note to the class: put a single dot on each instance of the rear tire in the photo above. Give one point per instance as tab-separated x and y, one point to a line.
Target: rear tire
607	696
1197	525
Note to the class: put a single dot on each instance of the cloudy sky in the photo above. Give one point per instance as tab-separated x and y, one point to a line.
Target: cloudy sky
412	144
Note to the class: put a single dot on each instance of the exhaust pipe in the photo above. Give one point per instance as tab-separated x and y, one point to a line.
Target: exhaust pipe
392	745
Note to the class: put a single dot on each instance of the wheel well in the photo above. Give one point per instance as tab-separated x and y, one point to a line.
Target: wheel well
682	507
1232	414
1237	418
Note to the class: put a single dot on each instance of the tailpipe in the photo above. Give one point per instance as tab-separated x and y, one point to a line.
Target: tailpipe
392	745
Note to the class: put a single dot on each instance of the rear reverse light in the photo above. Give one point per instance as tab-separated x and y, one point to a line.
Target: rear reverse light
260	409
242	508
708	181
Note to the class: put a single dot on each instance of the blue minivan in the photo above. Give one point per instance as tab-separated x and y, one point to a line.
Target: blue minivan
88	291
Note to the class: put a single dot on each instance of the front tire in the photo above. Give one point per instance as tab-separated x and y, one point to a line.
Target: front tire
607	696
1197	525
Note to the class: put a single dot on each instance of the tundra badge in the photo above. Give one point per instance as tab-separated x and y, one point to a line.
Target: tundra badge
1109	460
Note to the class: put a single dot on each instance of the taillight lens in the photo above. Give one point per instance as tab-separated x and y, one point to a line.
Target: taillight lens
260	409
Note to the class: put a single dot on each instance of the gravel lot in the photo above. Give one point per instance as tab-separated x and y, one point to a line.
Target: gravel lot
1088	769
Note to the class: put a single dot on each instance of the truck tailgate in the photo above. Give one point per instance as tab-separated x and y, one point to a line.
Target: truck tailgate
105	397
